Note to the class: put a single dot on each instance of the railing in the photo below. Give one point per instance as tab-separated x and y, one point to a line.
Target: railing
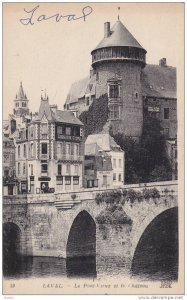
69	138
69	157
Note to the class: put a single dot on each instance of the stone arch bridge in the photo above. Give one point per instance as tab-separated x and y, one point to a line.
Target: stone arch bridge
63	225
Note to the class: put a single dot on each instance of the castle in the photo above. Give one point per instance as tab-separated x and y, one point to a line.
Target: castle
134	89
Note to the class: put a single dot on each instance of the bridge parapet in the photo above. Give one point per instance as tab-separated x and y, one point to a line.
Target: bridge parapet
166	188
66	200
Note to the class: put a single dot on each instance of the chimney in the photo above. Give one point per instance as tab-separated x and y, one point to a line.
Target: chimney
162	62
106	29
54	108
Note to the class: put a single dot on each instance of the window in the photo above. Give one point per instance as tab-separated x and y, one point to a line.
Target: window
68	130
136	96
166	113
119	177
59	148
76	149
32	170
31	131
114	176
75	180
44	167
76	169
120	163
18	168
44	148
44	130
32	150
97	76
59	130
114	112
76	131
59	181
24	150
87	101
17	104
114	163
68	149
19	151
68	169
67	180
59	169
81	132
24	169
6	173
114	91
166	132
23	104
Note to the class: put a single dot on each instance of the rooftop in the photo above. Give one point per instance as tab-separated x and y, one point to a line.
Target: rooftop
104	140
119	36
45	111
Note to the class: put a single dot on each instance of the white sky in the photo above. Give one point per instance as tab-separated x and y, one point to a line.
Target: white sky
51	56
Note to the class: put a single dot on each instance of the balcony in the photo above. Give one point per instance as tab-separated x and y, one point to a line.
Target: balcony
89	172
66	157
44	156
69	138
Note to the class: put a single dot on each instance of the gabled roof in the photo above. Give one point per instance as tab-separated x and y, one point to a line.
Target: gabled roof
94	150
104	140
120	36
159	81
45	111
67	117
80	88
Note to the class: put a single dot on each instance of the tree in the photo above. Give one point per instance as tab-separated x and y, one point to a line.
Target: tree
145	160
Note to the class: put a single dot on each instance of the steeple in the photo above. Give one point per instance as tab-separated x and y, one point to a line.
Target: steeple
21	102
21	94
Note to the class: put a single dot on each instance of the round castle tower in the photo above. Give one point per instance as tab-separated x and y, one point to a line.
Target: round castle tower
117	62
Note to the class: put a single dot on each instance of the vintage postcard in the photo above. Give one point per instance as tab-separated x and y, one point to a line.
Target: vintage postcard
93	148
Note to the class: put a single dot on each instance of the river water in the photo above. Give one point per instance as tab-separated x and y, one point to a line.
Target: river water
16	267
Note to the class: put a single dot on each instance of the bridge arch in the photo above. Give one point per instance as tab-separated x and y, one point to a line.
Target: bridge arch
157	248
12	238
82	236
81	246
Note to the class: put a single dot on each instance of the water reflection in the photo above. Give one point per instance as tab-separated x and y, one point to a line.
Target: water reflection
84	266
18	266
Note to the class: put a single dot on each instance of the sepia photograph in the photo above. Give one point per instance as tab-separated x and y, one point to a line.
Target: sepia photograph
93	148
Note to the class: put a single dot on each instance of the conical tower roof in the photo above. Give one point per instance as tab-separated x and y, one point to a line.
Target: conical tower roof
119	36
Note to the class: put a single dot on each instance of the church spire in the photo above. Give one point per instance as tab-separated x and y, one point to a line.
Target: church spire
21	94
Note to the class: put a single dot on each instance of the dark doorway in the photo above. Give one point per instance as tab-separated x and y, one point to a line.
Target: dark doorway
81	247
156	255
